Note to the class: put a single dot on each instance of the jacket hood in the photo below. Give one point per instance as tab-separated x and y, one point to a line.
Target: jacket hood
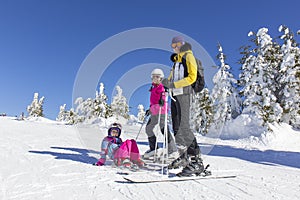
186	47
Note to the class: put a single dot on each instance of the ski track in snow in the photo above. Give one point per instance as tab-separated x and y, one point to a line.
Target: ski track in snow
53	161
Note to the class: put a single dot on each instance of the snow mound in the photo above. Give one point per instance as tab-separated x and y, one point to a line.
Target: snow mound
42	120
283	137
244	126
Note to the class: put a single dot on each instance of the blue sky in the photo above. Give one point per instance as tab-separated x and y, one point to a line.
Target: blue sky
44	43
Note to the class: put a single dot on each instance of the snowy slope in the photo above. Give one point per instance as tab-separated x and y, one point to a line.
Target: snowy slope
42	159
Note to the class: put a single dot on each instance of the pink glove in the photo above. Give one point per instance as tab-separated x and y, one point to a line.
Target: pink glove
100	162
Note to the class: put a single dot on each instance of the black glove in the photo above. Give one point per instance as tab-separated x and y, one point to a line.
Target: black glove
167	83
147	113
166	89
173	57
161	102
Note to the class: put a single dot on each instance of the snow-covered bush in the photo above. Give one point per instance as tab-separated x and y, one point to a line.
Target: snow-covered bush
90	108
35	109
119	104
68	116
141	113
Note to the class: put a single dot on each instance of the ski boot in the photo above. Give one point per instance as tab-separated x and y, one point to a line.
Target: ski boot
140	163
194	167
150	155
181	161
126	163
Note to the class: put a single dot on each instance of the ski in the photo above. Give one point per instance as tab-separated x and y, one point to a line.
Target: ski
161	178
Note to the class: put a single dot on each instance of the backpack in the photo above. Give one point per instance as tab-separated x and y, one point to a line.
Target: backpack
199	84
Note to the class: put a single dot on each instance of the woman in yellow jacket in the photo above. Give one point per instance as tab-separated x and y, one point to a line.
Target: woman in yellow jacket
182	76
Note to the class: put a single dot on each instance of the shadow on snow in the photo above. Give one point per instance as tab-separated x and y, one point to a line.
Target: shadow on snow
267	157
79	155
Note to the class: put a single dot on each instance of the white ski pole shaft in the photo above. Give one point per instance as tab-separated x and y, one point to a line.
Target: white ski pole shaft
157	132
166	142
170	93
140	129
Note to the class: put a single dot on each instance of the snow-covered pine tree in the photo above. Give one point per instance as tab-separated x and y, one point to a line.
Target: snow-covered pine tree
84	108
202	108
100	107
119	105
61	117
290	78
108	112
68	116
141	113
93	108
224	94
73	117
35	109
259	72
79	107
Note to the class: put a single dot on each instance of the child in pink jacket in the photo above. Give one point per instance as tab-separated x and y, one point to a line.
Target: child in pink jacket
158	110
122	153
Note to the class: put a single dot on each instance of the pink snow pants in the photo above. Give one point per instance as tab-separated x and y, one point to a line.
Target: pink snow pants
128	149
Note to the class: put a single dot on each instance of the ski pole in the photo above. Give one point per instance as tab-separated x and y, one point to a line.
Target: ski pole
170	93
166	142
145	119
156	142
